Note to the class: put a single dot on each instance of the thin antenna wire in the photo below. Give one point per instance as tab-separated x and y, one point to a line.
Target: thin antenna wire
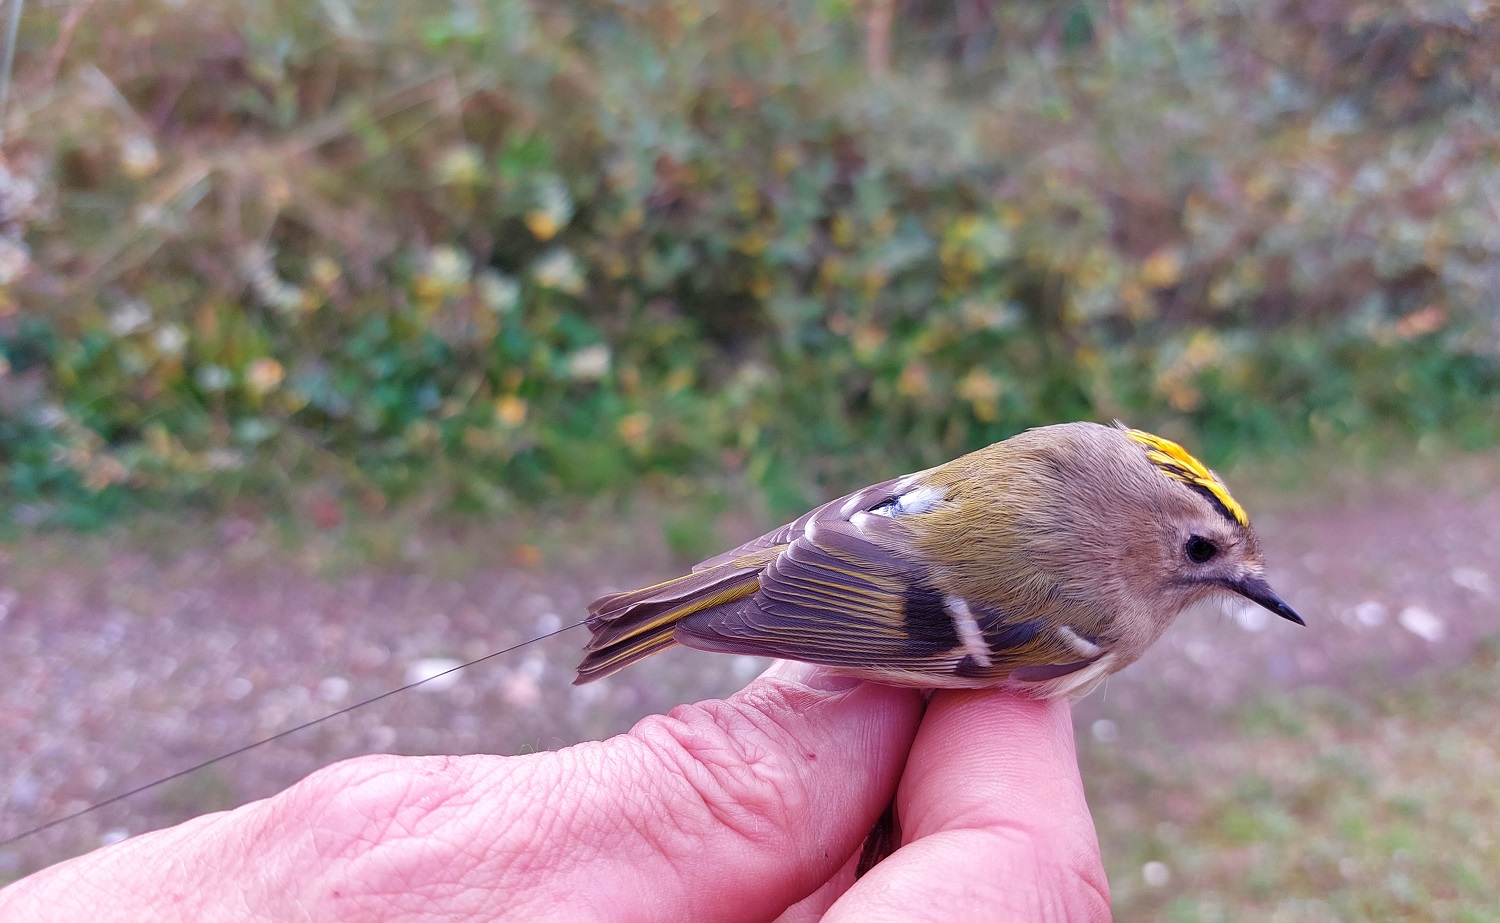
12	26
277	736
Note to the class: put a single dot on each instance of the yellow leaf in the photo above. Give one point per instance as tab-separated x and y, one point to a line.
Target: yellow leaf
1162	269
867	340
914	381
1421	322
264	374
981	389
510	410
634	427
542	224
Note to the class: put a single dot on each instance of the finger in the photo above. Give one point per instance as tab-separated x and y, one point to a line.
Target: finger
812	908
993	819
722	810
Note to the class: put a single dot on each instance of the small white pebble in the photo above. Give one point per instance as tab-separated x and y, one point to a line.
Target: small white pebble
1422	623
333	688
1156	874
238	688
113	835
1105	731
97	777
1472	579
433	673
747	668
538	602
374	655
24	791
1200	652
534	667
521	691
1251	618
382	737
582	697
1369	613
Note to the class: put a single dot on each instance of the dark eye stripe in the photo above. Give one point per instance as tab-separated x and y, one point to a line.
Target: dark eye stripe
1213	498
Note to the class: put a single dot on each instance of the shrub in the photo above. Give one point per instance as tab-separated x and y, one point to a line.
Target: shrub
514	249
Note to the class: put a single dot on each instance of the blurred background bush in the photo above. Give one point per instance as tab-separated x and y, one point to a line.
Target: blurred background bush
489	251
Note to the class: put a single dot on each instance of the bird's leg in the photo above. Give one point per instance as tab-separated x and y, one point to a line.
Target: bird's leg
885	837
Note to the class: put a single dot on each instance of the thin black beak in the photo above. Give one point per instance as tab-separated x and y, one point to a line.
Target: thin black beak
1257	590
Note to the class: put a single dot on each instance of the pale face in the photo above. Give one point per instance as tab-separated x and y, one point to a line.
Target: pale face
1210	556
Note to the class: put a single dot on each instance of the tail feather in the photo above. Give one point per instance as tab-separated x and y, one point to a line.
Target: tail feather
626	627
629	615
601	663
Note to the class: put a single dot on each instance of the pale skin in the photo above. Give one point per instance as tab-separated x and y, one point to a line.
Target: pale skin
749	808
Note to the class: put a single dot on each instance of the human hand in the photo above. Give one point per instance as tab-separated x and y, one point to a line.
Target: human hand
742	809
994	825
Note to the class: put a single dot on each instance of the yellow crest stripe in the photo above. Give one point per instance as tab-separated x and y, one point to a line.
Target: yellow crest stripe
1177	463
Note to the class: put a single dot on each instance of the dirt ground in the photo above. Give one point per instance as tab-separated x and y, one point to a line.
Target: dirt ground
136	653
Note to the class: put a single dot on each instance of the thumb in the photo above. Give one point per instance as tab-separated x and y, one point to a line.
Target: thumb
993	820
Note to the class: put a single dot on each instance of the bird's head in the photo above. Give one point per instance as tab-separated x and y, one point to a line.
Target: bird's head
1193	540
1131	523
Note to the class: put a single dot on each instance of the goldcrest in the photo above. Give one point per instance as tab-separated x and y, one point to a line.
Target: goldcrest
1043	563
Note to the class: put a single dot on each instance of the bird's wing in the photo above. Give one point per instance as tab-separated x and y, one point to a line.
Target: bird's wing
849	590
858	501
626	627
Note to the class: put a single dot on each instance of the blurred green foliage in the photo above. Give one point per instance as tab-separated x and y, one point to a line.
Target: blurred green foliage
511	249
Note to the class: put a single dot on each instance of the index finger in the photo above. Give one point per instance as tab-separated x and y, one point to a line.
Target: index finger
994	824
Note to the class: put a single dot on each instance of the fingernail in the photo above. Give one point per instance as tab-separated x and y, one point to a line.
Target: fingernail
810	675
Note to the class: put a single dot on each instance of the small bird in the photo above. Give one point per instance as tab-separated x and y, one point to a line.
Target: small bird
1043	563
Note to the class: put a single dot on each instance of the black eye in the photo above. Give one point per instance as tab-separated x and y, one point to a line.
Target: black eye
1200	550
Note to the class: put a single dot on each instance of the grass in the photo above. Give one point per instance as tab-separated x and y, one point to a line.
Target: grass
1323	805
